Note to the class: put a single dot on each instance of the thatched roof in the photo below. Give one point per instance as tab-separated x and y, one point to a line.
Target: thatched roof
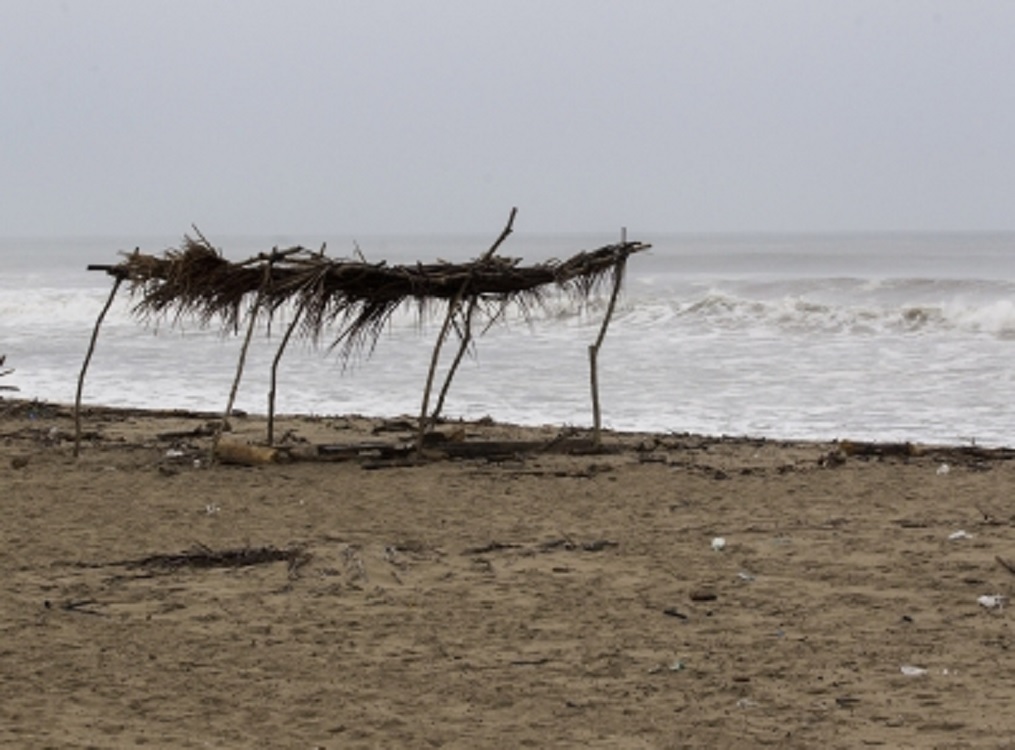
355	296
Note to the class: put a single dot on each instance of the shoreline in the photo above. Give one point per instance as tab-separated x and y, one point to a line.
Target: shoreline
541	598
248	424
104	428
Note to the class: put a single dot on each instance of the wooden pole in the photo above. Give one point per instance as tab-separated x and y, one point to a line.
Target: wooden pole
426	421
618	280
88	359
278	358
466	334
254	308
274	373
434	359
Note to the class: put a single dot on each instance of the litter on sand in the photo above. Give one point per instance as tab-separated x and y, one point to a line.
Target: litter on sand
993	601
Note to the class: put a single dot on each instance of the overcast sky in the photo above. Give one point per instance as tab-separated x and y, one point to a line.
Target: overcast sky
297	117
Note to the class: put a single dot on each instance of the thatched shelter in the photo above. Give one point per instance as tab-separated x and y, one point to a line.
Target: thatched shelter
349	301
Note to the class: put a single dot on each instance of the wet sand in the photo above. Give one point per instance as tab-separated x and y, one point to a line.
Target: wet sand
533	599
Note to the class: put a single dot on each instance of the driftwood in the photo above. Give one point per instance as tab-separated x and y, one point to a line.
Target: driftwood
202	557
565	543
969	454
356	451
877	450
493	546
490	450
243	454
206	430
494	449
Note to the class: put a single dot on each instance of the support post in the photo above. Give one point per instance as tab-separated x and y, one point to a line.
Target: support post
278	358
466	335
425	420
618	280
254	309
88	359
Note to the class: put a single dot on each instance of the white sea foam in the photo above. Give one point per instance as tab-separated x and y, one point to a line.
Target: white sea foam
49	306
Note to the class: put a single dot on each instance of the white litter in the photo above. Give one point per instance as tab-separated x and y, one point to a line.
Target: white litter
719	544
995	601
956	535
943	469
912	671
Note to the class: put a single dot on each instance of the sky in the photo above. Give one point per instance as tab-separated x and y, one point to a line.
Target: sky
298	117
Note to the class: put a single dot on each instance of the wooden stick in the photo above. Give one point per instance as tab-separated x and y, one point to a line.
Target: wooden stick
467	324
242	361
618	280
274	373
88	359
508	228
278	358
434	359
466	335
424	421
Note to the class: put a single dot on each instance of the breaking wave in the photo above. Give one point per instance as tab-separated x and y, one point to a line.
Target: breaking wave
841	306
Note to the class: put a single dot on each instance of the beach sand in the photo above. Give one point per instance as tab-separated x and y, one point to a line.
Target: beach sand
534	600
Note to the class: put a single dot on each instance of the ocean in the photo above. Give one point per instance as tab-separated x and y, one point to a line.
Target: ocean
888	337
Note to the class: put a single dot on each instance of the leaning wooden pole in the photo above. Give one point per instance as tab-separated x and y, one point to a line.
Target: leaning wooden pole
278	358
274	373
425	420
254	309
88	359
618	280
466	336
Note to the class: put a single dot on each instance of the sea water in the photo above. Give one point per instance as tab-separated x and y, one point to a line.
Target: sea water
873	337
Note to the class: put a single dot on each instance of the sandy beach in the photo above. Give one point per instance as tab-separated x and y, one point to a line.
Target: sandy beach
671	591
